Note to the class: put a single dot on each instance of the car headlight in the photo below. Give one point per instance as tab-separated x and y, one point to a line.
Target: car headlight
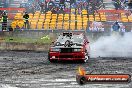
55	49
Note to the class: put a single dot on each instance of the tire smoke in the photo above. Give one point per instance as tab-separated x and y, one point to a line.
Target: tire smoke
115	45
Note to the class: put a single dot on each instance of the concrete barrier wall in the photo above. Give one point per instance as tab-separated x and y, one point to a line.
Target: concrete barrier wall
24	46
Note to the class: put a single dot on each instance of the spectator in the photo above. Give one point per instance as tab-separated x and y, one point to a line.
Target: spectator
54	10
33	8
26	22
122	28
91	27
116	26
4	20
42	5
98	26
130	5
117	4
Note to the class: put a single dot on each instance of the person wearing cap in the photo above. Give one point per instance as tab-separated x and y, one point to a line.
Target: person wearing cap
26	22
4	20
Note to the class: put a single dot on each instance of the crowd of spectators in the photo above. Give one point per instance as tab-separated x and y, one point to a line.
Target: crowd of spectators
63	6
123	4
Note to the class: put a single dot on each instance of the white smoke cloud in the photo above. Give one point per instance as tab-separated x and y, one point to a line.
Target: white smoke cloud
6	86
112	46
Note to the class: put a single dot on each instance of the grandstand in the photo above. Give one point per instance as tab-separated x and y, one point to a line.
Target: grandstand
52	21
73	20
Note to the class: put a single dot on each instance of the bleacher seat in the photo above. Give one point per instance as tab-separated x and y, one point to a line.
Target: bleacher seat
46	25
49	12
14	24
59	25
40	25
66	18
47	20
66	26
72	17
103	17
72	25
20	24
41	20
60	18
124	20
84	16
84	12
79	25
33	25
130	18
85	24
42	16
97	18
52	25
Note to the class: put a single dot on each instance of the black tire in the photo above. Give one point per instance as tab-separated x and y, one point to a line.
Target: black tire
82	81
87	57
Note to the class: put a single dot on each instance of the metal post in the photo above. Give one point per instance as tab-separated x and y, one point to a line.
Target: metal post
76	16
88	14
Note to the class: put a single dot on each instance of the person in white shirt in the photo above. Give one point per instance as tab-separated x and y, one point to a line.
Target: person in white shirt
122	28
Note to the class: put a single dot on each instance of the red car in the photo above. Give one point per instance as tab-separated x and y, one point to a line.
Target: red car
70	47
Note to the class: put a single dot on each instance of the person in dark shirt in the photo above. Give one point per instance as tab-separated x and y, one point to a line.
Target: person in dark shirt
26	22
130	5
117	4
4	20
42	5
116	26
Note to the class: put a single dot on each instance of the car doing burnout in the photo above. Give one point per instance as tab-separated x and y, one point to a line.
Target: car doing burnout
70	46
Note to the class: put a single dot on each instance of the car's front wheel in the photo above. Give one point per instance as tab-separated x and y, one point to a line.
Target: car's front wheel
52	61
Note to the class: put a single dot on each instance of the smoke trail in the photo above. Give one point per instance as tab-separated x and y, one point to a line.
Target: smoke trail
113	46
6	86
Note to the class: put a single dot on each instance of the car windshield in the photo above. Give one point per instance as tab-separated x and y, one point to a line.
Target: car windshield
77	39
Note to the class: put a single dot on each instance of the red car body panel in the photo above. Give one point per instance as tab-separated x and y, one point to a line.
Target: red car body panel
67	56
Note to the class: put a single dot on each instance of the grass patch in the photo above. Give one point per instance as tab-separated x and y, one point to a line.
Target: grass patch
27	40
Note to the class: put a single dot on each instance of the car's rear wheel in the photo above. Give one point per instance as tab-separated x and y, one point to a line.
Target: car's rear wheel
86	57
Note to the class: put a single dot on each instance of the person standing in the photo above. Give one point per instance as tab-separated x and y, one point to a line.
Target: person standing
26	22
42	5
116	26
4	20
117	4
130	5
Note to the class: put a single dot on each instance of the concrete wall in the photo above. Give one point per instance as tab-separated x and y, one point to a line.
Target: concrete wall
24	46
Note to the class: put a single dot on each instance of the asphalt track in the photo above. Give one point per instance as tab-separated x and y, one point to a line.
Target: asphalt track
33	70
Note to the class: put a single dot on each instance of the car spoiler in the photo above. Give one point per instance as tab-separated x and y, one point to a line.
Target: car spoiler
74	31
69	32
